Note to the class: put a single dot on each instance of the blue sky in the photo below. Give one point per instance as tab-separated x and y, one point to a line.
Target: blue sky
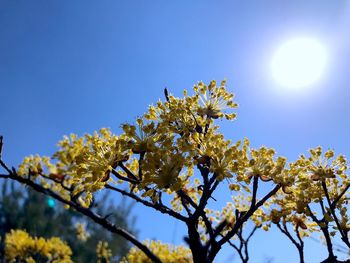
77	66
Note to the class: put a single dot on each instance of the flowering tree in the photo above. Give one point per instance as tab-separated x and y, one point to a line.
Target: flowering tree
174	158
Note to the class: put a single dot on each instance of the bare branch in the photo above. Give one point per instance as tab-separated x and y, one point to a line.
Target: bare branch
344	236
159	207
312	215
255	190
142	155
166	94
2	164
128	172
286	232
336	200
238	249
241	220
5	176
243	244
1	144
127	179
300	245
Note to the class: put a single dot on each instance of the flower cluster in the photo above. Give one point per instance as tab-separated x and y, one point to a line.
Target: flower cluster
319	184
20	246
103	252
81	232
167	253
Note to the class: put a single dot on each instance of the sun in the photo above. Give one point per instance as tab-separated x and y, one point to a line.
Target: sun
299	62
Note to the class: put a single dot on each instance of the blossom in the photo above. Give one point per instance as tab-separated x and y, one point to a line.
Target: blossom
142	138
104	253
163	170
167	253
214	100
81	232
19	245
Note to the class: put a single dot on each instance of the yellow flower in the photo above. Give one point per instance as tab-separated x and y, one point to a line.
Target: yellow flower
163	170
104	253
81	232
166	253
142	141
214	100
19	245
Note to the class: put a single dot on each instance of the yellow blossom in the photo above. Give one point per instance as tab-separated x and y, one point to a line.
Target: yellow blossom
19	245
166	253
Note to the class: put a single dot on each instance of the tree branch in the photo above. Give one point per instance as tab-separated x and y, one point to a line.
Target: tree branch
128	172
241	220
344	236
323	224
161	208
336	200
127	179
300	245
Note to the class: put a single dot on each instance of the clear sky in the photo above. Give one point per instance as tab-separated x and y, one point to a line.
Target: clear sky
77	66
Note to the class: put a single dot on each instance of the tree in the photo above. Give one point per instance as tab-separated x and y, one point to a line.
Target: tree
173	160
42	217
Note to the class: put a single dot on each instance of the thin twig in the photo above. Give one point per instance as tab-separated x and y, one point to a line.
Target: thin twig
127	179
161	208
344	236
128	172
241	221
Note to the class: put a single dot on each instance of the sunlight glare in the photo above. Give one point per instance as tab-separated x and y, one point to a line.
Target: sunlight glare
299	62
